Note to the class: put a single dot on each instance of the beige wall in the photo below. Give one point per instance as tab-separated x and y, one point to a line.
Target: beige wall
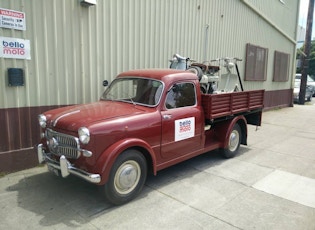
73	48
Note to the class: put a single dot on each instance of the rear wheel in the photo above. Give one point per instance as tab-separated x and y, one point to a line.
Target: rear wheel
234	141
126	178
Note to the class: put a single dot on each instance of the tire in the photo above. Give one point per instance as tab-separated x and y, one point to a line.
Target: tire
234	141
126	177
196	70
203	89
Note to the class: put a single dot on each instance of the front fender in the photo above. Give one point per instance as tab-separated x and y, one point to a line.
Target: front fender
109	156
223	129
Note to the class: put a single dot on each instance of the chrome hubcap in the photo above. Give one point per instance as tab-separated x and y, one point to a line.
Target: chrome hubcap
127	177
234	140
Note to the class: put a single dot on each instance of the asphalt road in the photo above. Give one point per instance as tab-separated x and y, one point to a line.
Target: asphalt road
270	184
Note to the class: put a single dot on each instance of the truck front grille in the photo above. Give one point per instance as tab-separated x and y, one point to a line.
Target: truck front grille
63	144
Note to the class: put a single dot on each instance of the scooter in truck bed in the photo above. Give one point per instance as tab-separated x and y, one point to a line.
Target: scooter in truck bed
210	77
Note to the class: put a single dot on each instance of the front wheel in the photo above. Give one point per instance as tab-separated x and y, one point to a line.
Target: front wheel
126	178
234	141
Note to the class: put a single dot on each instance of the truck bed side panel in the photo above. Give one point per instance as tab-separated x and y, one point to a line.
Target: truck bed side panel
227	104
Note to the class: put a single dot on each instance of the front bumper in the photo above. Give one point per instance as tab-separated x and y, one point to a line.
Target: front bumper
65	167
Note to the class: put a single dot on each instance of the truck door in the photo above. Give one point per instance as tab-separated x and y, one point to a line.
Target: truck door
181	121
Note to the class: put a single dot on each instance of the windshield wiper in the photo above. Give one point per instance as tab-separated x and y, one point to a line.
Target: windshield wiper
129	97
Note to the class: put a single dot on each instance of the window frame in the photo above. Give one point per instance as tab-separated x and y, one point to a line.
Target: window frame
177	83
256	63
281	66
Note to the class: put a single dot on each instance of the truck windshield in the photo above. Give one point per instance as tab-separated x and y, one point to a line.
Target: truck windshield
134	90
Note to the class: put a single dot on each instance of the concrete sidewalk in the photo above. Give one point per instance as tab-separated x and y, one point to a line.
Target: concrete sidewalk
269	185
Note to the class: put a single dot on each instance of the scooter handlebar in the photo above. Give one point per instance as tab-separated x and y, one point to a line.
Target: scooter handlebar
238	59
226	60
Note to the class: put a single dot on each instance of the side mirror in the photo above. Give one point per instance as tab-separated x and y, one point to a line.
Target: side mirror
105	83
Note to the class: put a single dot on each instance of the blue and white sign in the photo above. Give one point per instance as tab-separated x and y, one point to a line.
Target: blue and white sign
184	128
15	48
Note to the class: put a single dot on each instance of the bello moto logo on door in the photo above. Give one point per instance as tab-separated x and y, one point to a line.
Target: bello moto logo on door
14	48
184	128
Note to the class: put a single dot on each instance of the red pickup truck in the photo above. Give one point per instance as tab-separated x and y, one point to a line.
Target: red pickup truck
145	121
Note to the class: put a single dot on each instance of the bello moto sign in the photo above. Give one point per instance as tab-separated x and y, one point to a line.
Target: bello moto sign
184	128
15	48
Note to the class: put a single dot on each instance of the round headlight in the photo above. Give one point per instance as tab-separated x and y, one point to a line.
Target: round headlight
84	135
42	120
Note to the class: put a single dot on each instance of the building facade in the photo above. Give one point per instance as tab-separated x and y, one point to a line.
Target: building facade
56	52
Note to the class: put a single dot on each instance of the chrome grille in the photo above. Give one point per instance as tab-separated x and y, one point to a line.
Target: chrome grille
63	144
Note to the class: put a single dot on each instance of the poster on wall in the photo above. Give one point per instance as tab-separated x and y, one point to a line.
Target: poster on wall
12	19
15	48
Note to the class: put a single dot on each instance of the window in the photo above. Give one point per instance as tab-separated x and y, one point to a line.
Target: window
256	63
134	90
181	95
281	67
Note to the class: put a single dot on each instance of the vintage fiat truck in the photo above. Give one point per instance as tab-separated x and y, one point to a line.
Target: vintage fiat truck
145	121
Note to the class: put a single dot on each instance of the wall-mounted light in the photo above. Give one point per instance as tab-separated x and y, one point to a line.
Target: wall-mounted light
88	2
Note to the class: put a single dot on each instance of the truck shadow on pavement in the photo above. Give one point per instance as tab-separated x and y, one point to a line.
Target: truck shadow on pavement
201	164
74	202
70	201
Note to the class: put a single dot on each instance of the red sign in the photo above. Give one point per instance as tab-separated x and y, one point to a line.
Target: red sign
12	19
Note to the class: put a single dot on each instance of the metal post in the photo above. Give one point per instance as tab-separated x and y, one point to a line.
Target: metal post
307	48
206	43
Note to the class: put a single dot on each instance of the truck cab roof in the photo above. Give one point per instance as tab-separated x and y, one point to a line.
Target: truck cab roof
164	75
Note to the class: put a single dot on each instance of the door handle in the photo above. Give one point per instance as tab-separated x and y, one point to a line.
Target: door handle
167	116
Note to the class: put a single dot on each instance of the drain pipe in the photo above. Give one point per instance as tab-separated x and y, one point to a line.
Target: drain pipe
206	43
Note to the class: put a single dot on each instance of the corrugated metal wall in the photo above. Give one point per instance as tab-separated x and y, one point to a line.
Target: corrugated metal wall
74	48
